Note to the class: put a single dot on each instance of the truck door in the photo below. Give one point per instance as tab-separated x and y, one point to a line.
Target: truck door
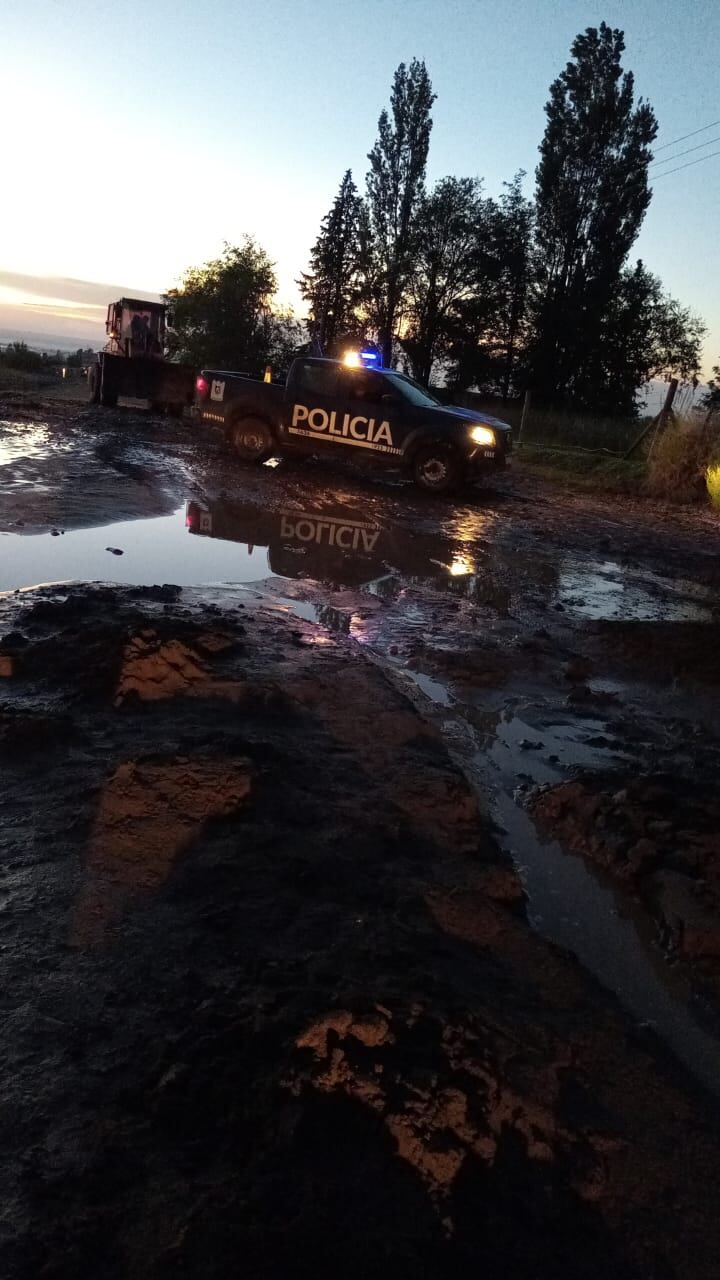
310	404
374	419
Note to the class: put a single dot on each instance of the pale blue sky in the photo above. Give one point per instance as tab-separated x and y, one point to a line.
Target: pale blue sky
137	137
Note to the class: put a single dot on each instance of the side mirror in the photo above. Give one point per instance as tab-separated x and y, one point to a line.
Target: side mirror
389	398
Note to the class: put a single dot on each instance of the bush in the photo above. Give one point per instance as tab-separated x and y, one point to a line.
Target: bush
681	460
712	480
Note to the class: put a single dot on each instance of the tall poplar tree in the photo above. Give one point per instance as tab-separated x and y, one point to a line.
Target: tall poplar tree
395	188
592	194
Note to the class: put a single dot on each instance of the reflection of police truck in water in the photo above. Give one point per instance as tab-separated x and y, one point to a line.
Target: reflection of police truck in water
133	363
327	408
336	545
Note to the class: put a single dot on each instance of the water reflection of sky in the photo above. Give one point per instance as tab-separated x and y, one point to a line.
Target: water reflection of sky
18	440
154	551
604	589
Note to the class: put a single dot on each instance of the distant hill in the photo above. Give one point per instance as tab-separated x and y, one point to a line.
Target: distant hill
51	341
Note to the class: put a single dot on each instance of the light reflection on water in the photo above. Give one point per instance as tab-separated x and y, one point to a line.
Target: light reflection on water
607	590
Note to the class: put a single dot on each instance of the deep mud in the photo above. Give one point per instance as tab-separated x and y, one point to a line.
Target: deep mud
281	991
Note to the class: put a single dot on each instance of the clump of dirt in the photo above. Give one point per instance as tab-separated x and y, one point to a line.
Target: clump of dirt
153	668
147	815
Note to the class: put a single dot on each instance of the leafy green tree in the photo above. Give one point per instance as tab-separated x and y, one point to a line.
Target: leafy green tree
395	185
221	313
644	334
332	286
592	195
445	270
287	337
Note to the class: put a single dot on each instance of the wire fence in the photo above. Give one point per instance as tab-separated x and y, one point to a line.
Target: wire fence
562	431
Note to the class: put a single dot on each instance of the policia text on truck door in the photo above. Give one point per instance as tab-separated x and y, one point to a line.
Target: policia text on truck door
328	409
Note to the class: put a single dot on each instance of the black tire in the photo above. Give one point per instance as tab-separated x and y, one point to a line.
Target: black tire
251	439
176	410
108	399
437	468
94	383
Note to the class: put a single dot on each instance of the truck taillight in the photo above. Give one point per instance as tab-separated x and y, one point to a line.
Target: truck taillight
202	387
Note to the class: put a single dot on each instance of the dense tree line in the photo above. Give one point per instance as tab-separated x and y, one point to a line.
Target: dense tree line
499	294
24	359
510	293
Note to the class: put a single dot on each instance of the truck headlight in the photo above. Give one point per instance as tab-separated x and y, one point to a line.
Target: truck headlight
483	435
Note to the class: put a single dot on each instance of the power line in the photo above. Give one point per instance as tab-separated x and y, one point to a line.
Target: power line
689	165
698	147
685	136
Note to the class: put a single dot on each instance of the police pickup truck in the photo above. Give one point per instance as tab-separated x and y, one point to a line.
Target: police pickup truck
332	409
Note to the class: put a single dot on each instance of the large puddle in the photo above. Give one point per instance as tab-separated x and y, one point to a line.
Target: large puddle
340	546
237	543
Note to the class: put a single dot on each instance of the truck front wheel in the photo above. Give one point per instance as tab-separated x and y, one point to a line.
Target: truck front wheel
251	439
437	468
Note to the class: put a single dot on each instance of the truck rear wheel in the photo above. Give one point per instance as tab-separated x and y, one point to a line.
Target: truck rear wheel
437	468
251	439
93	378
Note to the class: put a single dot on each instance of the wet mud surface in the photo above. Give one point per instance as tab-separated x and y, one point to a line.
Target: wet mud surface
359	902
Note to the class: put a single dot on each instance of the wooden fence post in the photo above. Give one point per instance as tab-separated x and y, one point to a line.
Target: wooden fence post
657	422
525	415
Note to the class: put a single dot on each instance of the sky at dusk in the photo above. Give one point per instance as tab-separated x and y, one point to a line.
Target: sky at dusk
136	139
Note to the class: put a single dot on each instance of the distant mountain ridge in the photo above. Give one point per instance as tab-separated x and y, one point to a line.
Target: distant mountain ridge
51	341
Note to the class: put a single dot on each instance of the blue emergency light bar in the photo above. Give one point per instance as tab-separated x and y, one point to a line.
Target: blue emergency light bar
367	358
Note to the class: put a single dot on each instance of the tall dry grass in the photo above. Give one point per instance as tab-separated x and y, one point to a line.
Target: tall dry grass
712	481
685	460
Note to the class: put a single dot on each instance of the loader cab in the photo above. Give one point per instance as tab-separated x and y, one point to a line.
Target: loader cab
135	328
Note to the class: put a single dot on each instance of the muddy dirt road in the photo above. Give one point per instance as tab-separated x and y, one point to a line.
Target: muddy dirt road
360	869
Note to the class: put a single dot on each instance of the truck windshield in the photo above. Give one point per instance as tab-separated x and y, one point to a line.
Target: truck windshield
410	390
